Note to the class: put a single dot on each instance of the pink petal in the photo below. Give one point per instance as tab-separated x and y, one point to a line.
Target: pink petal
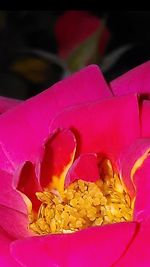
131	159
136	80
9	195
7	103
142	183
58	155
105	127
13	210
30	120
6	260
85	167
100	246
138	251
145	119
14	222
29	185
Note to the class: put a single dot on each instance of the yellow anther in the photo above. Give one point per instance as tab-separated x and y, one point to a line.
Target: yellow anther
44	197
83	204
53	225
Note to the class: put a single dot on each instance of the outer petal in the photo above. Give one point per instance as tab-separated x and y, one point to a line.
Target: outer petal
135	168
8	194
142	183
131	159
145	119
6	260
98	246
13	210
138	253
105	127
136	80
31	118
85	167
7	103
15	223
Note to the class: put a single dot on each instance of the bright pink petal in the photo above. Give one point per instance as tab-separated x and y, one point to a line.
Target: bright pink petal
136	80
7	103
13	210
131	159
9	195
30	120
58	155
14	222
145	119
100	246
138	253
6	260
85	167
142	183
105	127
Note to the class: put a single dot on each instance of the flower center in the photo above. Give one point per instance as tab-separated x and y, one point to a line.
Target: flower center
81	205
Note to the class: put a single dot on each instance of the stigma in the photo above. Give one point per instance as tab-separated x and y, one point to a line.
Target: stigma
83	204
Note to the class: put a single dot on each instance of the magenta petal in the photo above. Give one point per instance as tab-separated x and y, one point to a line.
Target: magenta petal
6	260
7	103
145	119
129	162
138	253
13	210
85	168
30	120
58	155
136	80
142	183
9	195
96	246
105	127
14	222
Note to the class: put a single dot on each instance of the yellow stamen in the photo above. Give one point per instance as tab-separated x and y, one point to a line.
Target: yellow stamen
83	204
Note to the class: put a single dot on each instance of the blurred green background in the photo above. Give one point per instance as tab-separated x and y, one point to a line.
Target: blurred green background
38	48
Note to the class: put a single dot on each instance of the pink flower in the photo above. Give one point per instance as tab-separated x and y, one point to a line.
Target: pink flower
62	135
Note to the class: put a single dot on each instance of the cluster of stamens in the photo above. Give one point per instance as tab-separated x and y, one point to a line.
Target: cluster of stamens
81	205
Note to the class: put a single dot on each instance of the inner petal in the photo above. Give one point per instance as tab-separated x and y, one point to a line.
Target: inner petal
83	204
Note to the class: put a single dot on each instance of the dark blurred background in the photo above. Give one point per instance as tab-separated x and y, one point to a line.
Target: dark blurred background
38	48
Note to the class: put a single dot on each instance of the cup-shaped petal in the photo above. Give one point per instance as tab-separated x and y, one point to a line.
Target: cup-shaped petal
31	119
96	246
136	80
6	260
105	127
